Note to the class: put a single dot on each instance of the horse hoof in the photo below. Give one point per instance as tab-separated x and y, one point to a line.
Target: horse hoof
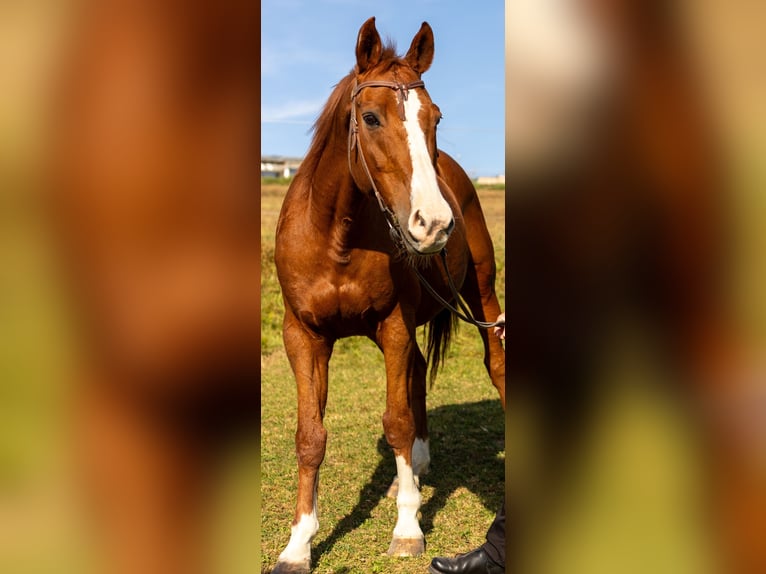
393	490
407	547
292	568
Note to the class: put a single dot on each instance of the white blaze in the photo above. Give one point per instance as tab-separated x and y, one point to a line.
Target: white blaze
430	212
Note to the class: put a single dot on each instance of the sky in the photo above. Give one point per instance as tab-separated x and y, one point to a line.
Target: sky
307	46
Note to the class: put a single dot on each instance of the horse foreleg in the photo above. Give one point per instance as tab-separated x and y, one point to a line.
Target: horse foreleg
400	351
421	456
309	358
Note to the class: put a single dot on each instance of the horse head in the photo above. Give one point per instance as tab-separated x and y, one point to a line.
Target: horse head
392	139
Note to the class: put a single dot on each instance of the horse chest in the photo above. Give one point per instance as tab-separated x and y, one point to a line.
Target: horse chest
346	299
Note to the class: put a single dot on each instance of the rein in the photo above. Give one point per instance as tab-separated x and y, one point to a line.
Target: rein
394	227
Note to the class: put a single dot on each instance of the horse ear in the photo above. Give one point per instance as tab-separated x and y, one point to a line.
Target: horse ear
368	46
421	52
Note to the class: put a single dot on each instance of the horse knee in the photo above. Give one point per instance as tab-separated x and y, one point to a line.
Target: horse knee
310	443
399	429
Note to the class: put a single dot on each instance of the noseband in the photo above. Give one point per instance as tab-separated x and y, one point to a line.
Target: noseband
394	227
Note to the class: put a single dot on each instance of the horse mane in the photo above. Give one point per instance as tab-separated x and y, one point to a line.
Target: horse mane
338	108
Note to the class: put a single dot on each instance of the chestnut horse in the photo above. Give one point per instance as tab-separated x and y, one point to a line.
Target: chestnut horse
155	206
369	208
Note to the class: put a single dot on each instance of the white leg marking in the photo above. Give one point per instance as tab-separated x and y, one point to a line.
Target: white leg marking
407	502
421	458
425	198
298	550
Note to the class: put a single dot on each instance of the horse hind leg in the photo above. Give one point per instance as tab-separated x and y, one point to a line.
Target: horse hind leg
478	290
421	461
405	375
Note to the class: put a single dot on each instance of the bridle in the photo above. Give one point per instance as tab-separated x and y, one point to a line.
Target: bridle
402	91
394	227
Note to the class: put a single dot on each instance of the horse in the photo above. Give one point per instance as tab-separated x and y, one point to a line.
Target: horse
617	209
154	209
374	207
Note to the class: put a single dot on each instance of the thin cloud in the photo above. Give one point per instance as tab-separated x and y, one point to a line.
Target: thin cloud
305	110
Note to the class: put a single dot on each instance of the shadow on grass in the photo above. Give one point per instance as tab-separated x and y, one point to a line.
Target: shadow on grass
465	440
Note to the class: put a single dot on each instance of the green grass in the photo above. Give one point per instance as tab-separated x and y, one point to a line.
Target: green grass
462	491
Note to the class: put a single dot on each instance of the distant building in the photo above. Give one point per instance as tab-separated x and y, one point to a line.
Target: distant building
494	180
279	166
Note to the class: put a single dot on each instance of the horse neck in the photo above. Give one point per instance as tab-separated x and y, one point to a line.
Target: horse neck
334	198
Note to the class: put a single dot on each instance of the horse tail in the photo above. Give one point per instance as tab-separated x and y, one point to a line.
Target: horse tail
438	334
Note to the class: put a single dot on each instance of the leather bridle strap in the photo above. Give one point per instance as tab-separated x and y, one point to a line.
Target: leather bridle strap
402	91
466	313
395	230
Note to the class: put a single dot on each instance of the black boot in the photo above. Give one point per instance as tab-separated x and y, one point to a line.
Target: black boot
475	562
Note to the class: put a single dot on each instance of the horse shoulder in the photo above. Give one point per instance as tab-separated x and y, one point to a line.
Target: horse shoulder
474	236
457	179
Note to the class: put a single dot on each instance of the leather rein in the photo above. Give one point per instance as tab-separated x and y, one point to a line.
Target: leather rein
394	227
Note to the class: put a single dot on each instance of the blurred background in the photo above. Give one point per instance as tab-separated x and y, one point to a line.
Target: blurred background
37	531
643	118
634	499
43	526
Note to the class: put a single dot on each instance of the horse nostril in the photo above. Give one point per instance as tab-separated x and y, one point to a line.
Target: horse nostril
450	226
419	219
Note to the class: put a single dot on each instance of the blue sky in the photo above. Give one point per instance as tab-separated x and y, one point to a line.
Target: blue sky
307	46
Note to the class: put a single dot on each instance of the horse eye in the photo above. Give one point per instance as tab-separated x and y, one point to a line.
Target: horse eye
371	120
439	119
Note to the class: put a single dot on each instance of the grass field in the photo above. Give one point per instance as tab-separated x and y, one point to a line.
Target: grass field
463	489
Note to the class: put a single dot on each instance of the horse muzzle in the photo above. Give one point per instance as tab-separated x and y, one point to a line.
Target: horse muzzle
428	233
